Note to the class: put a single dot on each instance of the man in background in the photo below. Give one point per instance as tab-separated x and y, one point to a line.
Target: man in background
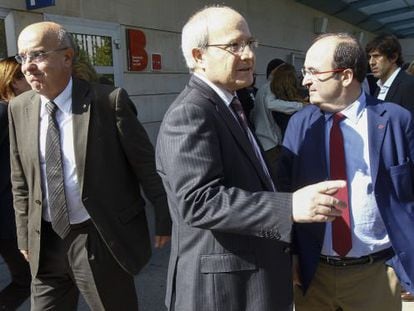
385	60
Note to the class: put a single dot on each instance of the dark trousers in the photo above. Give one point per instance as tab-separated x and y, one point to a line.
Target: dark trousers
80	263
272	156
14	294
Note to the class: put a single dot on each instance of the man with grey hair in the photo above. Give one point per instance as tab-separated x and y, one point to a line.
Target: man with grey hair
231	228
80	222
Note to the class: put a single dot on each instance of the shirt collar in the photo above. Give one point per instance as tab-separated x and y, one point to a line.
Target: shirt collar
62	100
225	95
354	111
390	80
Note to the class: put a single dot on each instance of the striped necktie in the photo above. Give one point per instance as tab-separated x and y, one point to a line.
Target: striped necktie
241	117
54	175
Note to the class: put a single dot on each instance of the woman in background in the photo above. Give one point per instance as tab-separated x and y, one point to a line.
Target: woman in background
285	86
12	83
267	130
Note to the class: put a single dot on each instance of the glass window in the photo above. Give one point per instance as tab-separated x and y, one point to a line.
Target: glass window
3	46
97	50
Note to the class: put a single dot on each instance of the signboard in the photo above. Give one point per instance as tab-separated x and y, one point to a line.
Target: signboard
156	62
137	56
35	4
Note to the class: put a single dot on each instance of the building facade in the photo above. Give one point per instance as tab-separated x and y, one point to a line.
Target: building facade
136	43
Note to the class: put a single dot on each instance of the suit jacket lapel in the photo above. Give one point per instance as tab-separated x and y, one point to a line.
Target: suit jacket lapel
394	87
233	125
377	127
32	113
81	102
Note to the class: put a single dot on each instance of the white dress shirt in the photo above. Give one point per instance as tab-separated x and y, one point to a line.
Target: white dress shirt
76	210
369	234
387	84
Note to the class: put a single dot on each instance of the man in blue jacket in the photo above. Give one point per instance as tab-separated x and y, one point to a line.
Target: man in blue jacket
353	262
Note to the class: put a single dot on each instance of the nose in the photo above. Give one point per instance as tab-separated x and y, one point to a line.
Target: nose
247	52
28	66
307	79
371	60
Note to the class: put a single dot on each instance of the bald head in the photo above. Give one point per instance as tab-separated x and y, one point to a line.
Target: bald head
346	52
49	31
47	54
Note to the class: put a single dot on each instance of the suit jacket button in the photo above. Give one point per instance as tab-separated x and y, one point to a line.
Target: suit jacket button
286	249
38	202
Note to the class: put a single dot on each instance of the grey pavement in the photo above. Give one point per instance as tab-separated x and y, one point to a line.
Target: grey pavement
150	284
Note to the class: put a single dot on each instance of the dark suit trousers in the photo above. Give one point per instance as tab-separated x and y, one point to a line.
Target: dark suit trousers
18	290
80	263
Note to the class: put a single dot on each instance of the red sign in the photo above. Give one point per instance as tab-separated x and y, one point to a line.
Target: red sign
137	56
156	62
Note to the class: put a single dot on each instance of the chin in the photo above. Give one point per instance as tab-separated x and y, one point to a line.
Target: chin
244	83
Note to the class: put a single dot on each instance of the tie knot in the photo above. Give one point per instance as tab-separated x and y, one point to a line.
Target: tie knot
236	104
51	108
338	117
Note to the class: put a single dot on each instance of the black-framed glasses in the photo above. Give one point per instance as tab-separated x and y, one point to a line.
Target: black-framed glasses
236	47
313	72
36	56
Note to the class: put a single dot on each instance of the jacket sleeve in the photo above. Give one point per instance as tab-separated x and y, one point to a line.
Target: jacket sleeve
204	190
19	187
140	154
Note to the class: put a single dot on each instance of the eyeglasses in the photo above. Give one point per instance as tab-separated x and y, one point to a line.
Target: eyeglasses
236	47
36	56
313	73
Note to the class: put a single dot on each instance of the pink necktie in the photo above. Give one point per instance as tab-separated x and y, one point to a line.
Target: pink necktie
341	228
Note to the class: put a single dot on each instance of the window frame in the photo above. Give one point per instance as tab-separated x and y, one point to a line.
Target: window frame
92	27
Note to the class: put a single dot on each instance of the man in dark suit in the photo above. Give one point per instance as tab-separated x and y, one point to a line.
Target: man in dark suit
79	156
231	230
385	61
351	263
394	84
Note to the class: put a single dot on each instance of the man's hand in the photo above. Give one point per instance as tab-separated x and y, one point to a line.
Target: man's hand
161	240
316	203
25	254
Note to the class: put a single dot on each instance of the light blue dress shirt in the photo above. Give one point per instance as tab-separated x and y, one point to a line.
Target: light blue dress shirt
369	234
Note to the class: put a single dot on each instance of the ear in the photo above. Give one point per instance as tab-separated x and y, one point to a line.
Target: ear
393	58
69	55
198	56
347	77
